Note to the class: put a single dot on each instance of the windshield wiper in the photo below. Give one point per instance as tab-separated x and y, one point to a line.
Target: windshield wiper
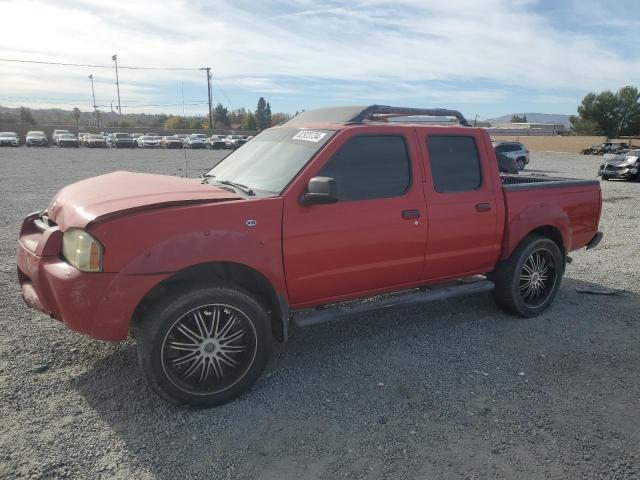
237	185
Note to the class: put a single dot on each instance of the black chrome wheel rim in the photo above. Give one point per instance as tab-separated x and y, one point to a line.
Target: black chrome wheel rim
538	278
209	349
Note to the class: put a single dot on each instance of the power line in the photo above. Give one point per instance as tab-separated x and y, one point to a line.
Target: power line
72	101
14	60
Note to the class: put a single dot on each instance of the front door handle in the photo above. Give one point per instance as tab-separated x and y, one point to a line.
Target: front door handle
483	207
410	214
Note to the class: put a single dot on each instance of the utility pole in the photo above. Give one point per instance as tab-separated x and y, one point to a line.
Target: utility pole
208	71
475	120
115	59
93	94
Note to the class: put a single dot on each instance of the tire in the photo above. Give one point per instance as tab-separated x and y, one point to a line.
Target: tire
195	333
528	281
521	163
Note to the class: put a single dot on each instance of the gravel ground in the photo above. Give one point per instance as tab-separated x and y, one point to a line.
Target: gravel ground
449	390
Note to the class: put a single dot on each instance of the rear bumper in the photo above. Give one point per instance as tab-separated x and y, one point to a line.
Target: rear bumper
99	305
597	238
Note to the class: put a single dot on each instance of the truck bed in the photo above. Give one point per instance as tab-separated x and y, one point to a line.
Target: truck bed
569	205
531	182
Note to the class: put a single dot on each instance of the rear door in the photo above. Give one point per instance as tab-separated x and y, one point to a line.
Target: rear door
373	237
462	208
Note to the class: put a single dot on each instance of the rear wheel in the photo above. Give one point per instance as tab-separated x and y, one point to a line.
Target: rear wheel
521	163
529	280
204	346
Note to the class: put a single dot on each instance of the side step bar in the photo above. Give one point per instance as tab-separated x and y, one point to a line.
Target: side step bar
307	318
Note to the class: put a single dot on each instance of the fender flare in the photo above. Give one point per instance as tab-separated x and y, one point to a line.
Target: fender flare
534	217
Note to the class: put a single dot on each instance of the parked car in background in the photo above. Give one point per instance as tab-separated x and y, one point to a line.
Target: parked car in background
67	140
81	137
196	140
149	141
506	164
9	139
514	150
56	133
120	140
36	138
235	141
606	147
171	141
624	166
217	142
94	140
330	206
135	137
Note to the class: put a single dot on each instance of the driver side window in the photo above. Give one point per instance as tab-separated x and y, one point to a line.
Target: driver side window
370	167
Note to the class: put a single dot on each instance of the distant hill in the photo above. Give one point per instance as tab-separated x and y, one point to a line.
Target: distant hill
536	118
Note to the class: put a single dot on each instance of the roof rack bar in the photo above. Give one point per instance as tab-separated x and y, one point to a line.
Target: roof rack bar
369	113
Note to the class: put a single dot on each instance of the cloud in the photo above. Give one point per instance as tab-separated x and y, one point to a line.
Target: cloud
465	50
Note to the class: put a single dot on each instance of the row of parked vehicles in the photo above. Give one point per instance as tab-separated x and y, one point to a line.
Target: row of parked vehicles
605	148
64	138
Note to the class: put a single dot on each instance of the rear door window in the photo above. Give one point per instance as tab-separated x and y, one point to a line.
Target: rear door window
455	163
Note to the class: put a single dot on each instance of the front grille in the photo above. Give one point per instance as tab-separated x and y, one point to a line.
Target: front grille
612	168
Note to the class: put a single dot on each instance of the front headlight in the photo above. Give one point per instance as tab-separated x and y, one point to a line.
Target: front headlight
82	250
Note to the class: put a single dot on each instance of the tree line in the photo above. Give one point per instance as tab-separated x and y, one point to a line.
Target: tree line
612	114
241	118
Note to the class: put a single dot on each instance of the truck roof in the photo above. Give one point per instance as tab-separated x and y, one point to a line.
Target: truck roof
358	114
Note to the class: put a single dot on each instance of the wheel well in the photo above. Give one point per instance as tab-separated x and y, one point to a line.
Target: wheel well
552	233
241	275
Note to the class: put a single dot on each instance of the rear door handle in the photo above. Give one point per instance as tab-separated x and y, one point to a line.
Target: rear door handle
410	214
483	207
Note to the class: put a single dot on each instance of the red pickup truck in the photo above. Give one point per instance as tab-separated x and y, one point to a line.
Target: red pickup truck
296	227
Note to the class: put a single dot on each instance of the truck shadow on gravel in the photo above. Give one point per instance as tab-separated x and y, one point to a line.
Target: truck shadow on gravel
334	385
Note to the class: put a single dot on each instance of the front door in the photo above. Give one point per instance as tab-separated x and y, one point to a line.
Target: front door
374	236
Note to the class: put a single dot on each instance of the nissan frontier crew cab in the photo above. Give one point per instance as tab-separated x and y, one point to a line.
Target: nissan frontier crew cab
295	228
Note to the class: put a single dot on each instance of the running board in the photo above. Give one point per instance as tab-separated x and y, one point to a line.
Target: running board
307	318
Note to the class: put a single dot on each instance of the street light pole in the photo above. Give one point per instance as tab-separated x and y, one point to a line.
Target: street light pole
93	94
208	71
115	59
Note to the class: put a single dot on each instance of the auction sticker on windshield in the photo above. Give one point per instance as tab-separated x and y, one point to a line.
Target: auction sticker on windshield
309	136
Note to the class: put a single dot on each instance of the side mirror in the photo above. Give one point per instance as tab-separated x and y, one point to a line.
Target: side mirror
320	190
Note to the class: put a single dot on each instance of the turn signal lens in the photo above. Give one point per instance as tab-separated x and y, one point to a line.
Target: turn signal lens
82	251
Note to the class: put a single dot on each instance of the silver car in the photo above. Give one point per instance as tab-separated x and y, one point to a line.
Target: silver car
9	138
515	151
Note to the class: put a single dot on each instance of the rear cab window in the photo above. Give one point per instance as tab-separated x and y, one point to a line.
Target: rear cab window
455	163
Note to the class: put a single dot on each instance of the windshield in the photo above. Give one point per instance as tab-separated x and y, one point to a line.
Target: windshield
67	135
95	137
7	134
35	134
272	159
122	135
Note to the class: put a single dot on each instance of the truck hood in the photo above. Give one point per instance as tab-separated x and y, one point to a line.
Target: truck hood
88	200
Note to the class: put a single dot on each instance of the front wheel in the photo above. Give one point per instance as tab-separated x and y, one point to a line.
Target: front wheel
528	281
204	346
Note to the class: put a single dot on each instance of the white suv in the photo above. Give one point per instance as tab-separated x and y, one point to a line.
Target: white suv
514	150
